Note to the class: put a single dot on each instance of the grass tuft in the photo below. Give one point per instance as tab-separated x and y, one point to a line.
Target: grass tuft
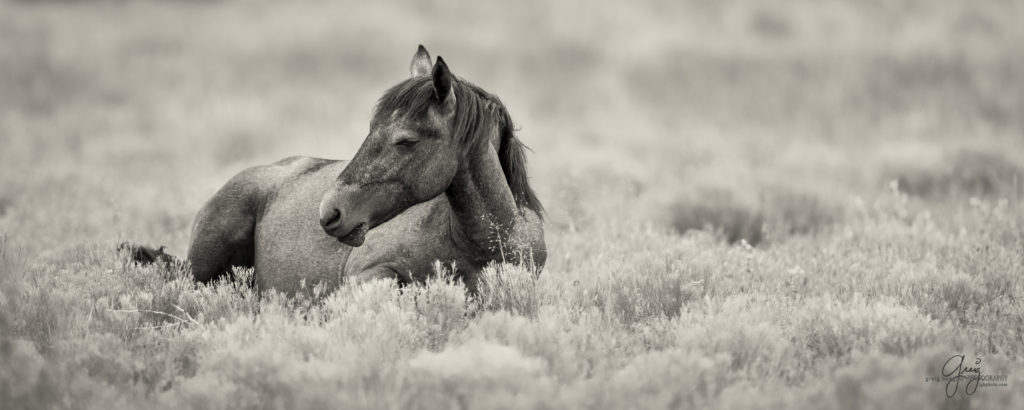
510	288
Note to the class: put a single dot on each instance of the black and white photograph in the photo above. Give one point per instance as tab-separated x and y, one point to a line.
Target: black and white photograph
570	204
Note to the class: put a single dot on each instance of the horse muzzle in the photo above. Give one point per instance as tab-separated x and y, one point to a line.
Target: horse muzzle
340	220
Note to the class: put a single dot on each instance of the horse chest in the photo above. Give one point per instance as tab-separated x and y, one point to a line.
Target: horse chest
407	246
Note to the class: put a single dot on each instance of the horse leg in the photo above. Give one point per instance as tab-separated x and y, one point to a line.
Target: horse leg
377	272
222	235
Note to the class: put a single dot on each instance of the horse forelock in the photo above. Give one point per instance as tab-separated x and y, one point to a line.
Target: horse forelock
475	109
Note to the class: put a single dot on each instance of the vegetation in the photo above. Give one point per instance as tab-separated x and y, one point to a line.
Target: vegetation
751	205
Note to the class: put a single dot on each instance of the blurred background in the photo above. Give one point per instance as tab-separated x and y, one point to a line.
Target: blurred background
758	120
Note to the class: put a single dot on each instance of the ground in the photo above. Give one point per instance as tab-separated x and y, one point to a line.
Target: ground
752	204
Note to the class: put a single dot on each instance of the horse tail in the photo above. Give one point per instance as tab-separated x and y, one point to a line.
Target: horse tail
145	255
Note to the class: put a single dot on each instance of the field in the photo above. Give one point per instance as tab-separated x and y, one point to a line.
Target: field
751	204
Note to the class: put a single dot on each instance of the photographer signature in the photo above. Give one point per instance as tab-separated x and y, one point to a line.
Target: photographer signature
955	372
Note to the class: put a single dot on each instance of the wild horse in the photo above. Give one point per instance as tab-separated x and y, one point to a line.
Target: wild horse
440	177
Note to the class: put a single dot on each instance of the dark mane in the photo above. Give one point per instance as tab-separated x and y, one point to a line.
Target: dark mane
473	116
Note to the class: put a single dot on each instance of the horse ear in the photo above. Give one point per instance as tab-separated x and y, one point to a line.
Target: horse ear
442	80
420	65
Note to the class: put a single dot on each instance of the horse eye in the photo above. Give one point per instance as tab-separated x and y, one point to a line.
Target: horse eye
407	142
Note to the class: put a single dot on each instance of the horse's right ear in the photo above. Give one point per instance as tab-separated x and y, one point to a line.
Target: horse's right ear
442	78
420	65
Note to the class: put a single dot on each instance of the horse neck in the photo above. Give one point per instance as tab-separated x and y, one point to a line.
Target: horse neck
484	210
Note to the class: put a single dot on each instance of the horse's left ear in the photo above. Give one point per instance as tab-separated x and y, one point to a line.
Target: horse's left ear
442	81
420	65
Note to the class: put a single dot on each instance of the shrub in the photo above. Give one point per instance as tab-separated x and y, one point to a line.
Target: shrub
509	287
963	173
750	330
790	211
669	379
476	374
23	381
831	328
781	212
718	210
440	305
643	287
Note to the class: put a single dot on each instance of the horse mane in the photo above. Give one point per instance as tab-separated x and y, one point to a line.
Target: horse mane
473	117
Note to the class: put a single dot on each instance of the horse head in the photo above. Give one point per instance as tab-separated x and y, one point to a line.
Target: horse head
411	154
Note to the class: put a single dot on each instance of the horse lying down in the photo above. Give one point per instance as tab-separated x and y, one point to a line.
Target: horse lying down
440	177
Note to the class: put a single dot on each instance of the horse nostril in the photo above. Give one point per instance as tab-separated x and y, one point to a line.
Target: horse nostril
327	221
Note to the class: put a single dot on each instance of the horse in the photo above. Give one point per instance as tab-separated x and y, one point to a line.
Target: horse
441	177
